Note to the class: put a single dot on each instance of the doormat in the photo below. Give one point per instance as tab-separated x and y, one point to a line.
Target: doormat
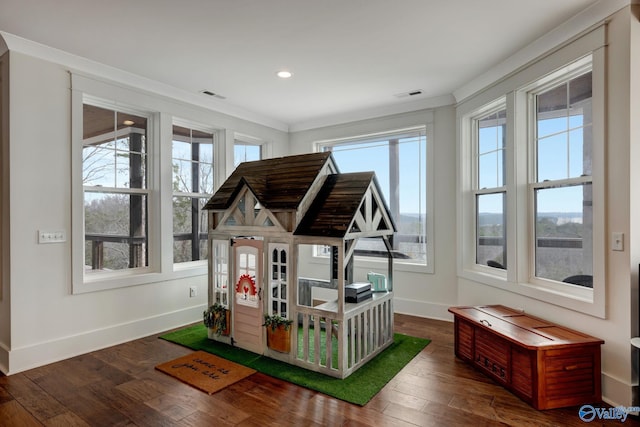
205	371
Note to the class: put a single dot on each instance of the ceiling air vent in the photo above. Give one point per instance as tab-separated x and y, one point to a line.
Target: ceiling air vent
216	95
410	93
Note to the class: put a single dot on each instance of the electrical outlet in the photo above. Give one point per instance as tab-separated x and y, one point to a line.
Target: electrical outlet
193	292
57	236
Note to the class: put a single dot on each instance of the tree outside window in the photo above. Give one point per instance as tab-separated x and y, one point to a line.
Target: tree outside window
114	177
192	168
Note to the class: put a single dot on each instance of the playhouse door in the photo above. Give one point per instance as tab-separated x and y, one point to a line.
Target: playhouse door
247	300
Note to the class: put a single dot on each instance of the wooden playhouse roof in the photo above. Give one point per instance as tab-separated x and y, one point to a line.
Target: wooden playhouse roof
337	204
333	210
279	183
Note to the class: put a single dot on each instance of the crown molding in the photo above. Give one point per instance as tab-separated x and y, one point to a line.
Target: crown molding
573	27
86	66
372	113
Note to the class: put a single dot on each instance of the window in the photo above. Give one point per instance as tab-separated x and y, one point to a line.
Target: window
279	279
220	271
399	160
561	187
490	188
140	179
532	171
192	166
247	149
114	179
243	152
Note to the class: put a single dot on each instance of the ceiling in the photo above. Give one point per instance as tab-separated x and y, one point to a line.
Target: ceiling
346	56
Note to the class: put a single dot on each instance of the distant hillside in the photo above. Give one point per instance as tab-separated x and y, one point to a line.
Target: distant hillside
560	217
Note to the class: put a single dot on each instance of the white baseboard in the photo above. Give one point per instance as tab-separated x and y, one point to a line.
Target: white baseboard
40	354
4	358
426	309
616	392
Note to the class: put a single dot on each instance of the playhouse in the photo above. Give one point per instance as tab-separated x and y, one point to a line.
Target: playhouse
268	216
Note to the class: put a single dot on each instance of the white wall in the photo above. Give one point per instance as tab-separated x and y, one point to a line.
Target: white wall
416	292
634	179
5	318
48	322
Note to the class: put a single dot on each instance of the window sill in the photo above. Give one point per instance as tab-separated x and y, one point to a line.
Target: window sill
95	282
189	269
381	264
582	300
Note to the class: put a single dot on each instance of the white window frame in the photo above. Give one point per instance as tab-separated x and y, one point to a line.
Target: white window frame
517	90
526	100
493	107
244	139
199	264
219	264
96	281
379	263
279	281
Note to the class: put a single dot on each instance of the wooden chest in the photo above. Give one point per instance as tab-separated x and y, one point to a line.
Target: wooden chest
547	365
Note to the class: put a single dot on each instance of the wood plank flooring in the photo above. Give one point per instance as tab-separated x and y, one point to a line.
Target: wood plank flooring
119	386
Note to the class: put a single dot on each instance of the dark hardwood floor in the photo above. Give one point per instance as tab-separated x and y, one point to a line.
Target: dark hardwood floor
119	386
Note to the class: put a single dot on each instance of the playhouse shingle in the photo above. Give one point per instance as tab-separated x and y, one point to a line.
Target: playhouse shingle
324	202
278	184
336	204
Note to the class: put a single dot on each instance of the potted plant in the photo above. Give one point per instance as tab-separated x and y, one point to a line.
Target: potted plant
278	332
217	318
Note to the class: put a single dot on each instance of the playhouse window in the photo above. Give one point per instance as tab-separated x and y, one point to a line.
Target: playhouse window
279	261
220	271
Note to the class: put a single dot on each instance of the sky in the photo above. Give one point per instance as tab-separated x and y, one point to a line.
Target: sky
374	157
559	156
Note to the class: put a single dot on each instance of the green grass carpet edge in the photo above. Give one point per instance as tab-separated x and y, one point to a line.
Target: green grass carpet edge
358	388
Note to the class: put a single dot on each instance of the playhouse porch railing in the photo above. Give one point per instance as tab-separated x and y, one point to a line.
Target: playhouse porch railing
337	345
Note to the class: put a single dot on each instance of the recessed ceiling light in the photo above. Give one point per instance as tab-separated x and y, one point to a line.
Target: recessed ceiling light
128	122
284	74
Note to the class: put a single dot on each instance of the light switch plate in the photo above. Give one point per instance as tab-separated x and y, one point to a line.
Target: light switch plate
617	241
52	236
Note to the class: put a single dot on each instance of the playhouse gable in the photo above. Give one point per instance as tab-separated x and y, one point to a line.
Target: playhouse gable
348	205
281	183
246	211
